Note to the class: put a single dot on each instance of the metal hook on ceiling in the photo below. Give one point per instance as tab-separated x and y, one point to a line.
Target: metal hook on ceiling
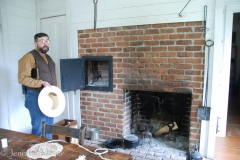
183	9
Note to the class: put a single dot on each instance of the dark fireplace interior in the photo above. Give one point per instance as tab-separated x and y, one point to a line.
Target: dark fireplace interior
151	111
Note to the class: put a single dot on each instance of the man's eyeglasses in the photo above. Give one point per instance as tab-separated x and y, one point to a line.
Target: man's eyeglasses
43	41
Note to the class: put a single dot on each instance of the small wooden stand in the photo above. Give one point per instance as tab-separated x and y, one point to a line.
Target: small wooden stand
66	123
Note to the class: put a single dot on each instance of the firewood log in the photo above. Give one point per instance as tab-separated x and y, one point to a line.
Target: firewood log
165	129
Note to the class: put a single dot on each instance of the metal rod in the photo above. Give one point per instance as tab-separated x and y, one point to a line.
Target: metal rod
205	20
92	69
183	9
209	43
95	13
142	105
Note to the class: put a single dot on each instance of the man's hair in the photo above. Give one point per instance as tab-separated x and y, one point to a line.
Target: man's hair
39	35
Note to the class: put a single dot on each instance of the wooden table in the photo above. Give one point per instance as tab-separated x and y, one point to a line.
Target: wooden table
19	143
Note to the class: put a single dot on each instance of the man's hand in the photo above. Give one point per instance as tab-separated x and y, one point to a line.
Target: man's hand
45	84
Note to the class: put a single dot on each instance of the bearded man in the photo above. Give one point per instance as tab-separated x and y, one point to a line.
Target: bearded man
36	70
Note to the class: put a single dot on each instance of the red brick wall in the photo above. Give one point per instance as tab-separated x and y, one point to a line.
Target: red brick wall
155	57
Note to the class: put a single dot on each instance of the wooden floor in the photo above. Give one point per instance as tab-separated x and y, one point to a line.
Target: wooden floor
228	148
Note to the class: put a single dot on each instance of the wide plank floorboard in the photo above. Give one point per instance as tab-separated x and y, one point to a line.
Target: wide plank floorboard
228	148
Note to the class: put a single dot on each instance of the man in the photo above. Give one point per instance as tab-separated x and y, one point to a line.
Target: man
39	61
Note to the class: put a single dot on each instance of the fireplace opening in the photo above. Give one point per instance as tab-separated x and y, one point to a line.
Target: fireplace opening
99	73
161	117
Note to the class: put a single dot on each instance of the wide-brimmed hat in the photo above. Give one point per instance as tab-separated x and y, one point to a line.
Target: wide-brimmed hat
51	101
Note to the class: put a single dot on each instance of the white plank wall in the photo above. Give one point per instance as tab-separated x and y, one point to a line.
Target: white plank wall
4	113
136	12
50	8
19	26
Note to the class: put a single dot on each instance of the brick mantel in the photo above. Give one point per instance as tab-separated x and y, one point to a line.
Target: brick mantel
155	57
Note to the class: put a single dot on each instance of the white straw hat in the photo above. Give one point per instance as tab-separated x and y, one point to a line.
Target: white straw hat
51	101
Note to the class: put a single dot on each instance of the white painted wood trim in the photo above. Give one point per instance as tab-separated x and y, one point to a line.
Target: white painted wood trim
38	19
68	31
208	128
220	79
228	24
5	57
74	42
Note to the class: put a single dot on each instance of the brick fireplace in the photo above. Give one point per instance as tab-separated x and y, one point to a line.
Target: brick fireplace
165	57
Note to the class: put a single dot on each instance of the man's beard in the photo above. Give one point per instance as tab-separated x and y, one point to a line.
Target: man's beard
44	50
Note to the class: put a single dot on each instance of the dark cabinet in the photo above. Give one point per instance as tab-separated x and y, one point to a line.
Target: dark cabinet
88	73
